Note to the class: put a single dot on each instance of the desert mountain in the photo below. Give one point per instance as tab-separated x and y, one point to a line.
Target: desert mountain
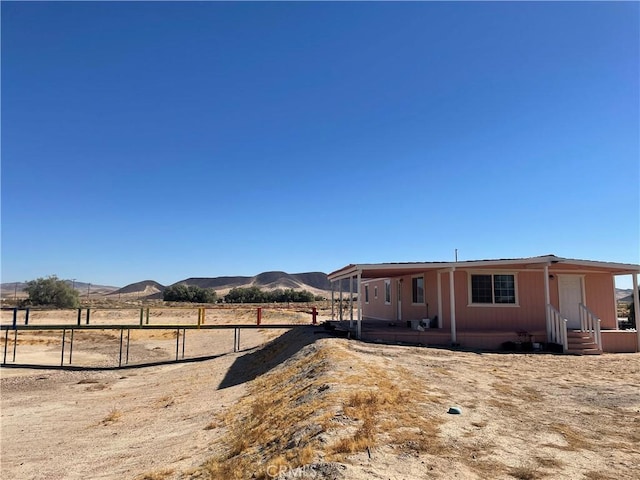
266	280
624	296
315	282
145	287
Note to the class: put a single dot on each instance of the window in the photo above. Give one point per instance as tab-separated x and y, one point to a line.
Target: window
375	292
417	289
387	291
366	294
493	289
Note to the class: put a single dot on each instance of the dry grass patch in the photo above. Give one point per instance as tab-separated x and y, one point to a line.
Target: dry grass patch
575	440
277	423
156	475
594	475
113	416
390	408
526	472
530	394
165	402
548	462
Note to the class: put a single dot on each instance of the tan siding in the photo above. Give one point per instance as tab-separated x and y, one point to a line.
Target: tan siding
529	315
600	298
376	308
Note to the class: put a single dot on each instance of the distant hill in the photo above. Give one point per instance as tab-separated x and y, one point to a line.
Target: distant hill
7	290
315	282
144	288
624	295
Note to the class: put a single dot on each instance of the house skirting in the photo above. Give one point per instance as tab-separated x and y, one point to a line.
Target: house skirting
619	341
437	337
613	341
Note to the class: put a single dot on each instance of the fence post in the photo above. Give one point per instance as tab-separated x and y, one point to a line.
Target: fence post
314	315
6	344
26	317
15	317
79	316
148	315
141	315
259	315
64	336
88	315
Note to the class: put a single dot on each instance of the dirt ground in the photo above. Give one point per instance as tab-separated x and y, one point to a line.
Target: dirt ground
524	416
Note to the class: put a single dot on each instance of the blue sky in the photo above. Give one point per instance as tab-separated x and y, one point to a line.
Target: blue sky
169	140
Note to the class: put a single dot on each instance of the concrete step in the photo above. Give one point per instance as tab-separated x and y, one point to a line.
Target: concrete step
581	343
584	351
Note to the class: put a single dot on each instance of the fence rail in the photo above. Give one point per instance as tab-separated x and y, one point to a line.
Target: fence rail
22	322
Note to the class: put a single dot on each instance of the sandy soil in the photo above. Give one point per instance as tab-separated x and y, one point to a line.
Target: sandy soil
523	415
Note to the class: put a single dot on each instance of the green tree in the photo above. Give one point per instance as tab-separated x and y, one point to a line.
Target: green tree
188	293
51	291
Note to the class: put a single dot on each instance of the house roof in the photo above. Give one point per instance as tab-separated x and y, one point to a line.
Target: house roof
379	270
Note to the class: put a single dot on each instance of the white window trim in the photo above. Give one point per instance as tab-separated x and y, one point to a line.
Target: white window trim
492	304
424	291
387	283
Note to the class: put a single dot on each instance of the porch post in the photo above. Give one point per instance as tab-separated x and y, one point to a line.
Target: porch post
547	301
350	301
452	298
636	309
340	301
439	283
333	303
359	331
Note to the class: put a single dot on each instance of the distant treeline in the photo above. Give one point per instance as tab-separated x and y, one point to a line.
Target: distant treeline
195	294
189	293
255	295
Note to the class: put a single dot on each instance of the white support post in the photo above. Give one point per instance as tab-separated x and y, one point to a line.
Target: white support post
452	298
340	301
547	300
615	300
636	302
439	283
350	301
333	303
359	331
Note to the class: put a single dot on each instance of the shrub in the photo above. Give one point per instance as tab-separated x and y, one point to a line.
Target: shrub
51	291
188	293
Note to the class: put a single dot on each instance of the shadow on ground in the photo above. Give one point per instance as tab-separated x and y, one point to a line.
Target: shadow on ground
257	363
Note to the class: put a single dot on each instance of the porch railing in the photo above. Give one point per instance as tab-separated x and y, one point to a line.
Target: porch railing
590	323
557	327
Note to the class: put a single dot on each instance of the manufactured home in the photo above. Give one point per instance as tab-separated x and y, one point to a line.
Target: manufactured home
485	304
